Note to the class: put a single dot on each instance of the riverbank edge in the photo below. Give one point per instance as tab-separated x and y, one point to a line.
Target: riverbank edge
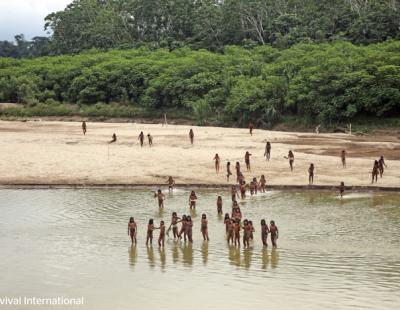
189	186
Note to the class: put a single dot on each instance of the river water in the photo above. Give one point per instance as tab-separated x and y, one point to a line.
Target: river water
332	253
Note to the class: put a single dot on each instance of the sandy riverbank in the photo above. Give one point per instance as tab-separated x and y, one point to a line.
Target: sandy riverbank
58	153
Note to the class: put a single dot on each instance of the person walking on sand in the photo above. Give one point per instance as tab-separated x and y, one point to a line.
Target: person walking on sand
343	156
217	162
247	160
375	172
381	164
84	128
141	138
113	139
251	127
191	136
291	159
228	170
267	152
150	138
311	174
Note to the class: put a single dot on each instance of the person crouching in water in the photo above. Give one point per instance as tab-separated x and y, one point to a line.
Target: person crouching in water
192	200
264	232
132	229
204	227
160	197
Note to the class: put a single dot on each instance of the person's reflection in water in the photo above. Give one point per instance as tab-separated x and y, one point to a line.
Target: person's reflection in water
162	258
193	213
234	255
150	256
204	252
132	256
247	254
264	259
160	212
274	258
175	253
376	200
187	254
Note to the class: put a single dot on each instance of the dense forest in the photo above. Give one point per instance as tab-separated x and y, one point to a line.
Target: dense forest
220	62
326	82
209	24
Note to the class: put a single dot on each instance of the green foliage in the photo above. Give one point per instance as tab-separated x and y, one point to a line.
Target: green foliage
324	83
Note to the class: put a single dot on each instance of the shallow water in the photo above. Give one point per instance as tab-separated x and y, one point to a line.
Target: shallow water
333	253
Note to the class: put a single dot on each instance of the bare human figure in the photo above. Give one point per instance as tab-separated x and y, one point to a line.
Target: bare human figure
171	183
341	189
251	127
263	181
381	165
247	160
228	170
375	172
291	159
343	157
274	233
160	197
204	227
132	229
264	232
191	136
150	138
192	200
84	128
311	174
267	152
217	163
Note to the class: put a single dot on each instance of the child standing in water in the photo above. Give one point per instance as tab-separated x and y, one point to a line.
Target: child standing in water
251	127
247	160
381	163
189	228
204	227
311	174
171	183
132	229
150	138
219	205
141	138
160	197
263	181
217	161
228	170
84	128
264	232
161	238
343	156
150	229
174	224
246	233
236	232
192	200
291	160
191	135
375	172
341	189
267	152
273	229
183	228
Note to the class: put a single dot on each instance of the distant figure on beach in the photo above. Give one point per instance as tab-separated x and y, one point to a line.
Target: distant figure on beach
132	229
150	229
381	164
171	183
237	168
191	135
273	229
291	159
341	189
251	127
141	138
263	181
204	227
161	237
150	138
84	128
192	200
264	233
228	170
267	152
311	174
113	139
217	162
247	160
375	172
160	197
219	205
343	156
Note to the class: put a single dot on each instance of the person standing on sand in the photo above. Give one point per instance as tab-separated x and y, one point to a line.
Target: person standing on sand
311	174
141	138
191	135
267	152
150	138
237	168
291	159
228	170
381	163
343	156
113	139
251	127
84	128
217	162
247	160
375	172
